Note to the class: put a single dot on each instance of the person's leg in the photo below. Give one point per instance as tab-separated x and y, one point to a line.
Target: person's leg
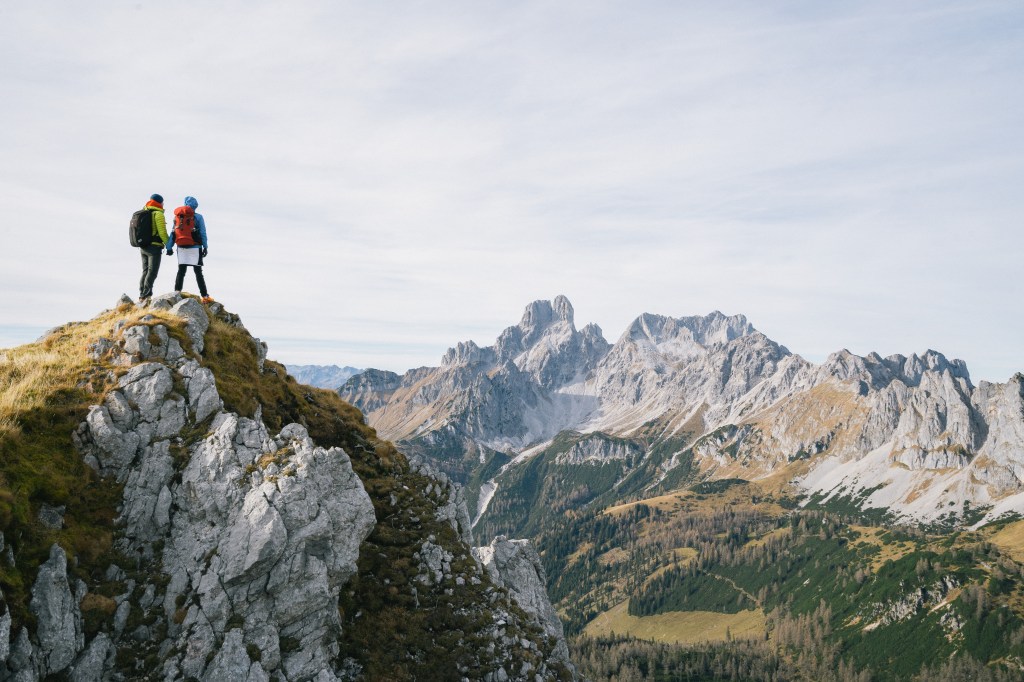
157	253
200	280
150	268
179	279
145	272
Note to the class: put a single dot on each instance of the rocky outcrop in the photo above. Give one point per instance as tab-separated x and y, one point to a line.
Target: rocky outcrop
516	565
267	531
546	345
455	511
596	449
256	534
58	620
932	596
235	543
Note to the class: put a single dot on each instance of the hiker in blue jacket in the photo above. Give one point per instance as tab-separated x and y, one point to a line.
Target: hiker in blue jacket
190	251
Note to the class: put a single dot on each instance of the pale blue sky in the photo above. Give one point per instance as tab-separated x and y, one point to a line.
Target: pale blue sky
381	180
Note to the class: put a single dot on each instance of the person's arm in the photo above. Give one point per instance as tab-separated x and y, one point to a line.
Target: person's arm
161	227
201	224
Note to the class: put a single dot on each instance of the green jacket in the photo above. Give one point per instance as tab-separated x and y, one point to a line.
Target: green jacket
159	223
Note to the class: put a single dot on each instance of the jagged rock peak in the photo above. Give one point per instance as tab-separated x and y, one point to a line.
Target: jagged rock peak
540	314
879	372
538	318
705	330
467	352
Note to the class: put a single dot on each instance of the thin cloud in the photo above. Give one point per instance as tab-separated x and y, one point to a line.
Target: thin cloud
382	181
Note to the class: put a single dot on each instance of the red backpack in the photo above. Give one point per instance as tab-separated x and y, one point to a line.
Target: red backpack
185	233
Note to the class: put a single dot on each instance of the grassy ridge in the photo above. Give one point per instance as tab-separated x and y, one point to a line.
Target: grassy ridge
46	389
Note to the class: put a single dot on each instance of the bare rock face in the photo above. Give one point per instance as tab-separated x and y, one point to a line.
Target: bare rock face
90	664
516	565
371	389
1001	457
198	321
282	540
597	449
5	631
59	622
506	395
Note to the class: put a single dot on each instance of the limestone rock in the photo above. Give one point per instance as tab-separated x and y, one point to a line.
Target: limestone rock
203	398
232	662
91	663
20	660
165	301
114	448
516	565
452	504
261	354
281	544
235	541
197	321
894	426
598	449
147	499
58	620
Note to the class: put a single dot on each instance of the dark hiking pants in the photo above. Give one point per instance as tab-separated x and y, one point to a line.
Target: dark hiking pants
179	281
150	268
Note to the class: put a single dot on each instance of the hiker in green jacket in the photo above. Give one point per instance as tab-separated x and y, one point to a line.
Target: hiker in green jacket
151	254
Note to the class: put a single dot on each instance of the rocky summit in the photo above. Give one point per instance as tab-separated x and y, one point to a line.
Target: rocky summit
210	518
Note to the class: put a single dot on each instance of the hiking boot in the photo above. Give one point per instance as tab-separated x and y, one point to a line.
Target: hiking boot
144	300
207	299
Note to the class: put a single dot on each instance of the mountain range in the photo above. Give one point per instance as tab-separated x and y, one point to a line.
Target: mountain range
706	398
709	505
322	376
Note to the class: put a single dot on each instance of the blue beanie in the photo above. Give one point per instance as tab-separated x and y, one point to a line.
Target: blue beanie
157	198
191	203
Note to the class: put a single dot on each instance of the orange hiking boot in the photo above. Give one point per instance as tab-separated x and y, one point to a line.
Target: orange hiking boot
207	299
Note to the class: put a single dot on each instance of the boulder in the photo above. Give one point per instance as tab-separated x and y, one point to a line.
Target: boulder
196	321
91	663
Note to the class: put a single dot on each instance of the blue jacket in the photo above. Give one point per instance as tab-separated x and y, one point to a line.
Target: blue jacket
200	226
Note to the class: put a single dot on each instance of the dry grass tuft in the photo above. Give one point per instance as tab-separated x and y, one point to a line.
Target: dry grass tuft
30	375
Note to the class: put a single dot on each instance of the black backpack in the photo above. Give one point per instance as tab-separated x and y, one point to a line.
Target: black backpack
140	230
